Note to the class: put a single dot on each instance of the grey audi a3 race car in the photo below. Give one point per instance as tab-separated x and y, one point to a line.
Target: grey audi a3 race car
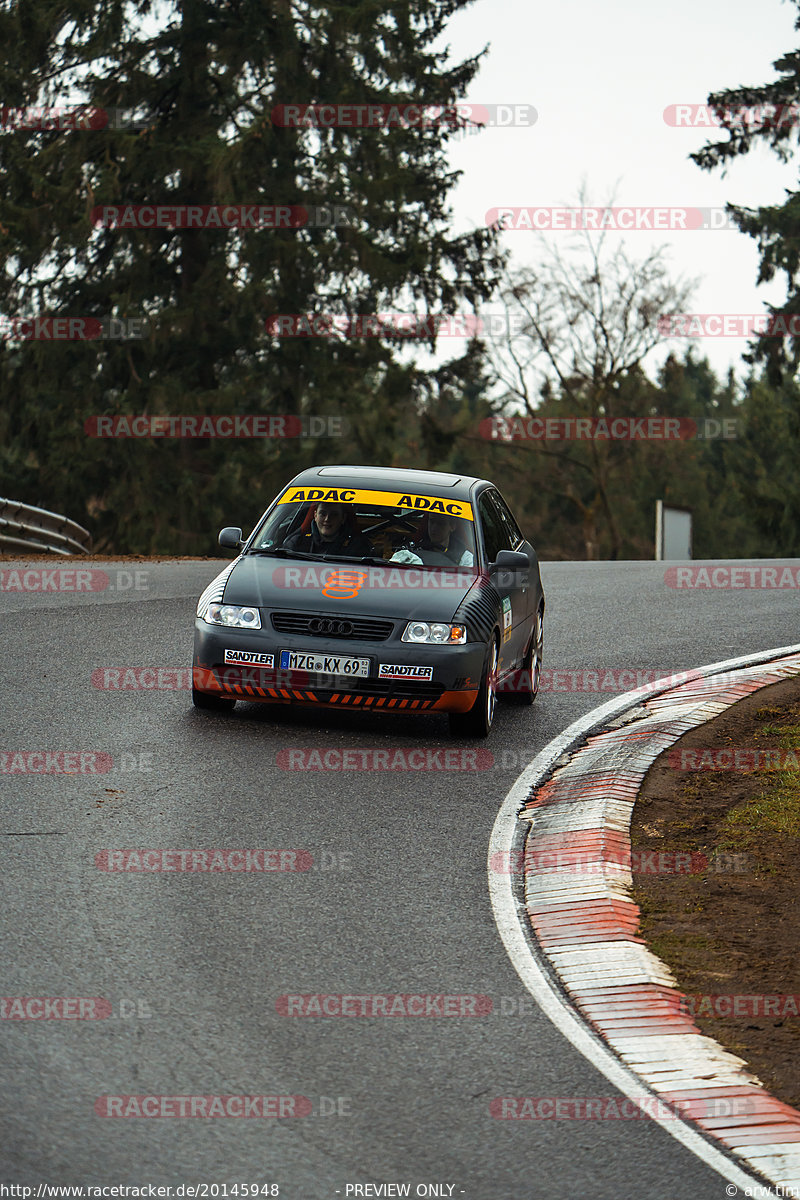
375	588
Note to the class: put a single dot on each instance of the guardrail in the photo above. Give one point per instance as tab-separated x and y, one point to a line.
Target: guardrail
24	527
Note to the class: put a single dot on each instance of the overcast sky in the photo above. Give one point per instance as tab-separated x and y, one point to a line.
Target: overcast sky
600	75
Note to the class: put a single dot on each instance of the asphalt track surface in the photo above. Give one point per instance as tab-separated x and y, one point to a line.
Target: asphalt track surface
193	963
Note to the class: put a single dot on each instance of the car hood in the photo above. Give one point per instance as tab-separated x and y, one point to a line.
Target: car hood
398	592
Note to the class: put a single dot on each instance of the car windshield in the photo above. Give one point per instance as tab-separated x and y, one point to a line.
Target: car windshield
406	530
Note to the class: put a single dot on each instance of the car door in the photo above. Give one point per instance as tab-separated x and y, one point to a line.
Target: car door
500	533
529	583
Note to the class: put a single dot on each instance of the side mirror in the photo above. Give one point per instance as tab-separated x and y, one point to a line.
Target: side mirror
510	560
230	538
507	568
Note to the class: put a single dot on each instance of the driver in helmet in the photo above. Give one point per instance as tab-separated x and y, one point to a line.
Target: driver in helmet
331	532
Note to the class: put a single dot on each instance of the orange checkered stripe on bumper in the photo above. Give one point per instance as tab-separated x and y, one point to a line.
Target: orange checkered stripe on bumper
451	701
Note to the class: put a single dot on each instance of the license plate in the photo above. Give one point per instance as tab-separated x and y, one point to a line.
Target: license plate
324	664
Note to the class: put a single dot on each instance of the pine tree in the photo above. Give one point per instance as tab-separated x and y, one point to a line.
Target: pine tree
757	115
184	107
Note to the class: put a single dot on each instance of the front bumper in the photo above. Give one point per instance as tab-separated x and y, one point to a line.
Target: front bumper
453	686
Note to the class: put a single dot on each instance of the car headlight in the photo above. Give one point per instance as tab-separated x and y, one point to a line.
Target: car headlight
434	633
235	616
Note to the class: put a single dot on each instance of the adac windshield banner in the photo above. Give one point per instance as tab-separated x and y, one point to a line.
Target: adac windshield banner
399	500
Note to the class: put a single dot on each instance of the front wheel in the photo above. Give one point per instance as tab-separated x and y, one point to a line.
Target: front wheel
478	721
211	703
531	673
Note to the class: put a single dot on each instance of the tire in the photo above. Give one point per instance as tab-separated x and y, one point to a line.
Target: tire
478	721
211	703
531	671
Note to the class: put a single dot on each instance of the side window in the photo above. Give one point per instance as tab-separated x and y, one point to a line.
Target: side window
495	534
507	518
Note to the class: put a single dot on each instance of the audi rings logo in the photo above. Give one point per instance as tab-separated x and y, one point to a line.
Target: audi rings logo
326	625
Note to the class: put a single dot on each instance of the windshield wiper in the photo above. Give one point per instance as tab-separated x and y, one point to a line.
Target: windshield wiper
282	552
370	560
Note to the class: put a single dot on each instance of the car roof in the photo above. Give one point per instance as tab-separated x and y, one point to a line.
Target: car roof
436	483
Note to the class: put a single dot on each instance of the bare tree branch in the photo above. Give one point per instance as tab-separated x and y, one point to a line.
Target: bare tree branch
579	326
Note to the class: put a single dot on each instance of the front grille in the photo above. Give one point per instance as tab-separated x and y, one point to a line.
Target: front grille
359	629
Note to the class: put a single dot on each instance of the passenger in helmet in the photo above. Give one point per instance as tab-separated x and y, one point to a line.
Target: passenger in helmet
438	545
